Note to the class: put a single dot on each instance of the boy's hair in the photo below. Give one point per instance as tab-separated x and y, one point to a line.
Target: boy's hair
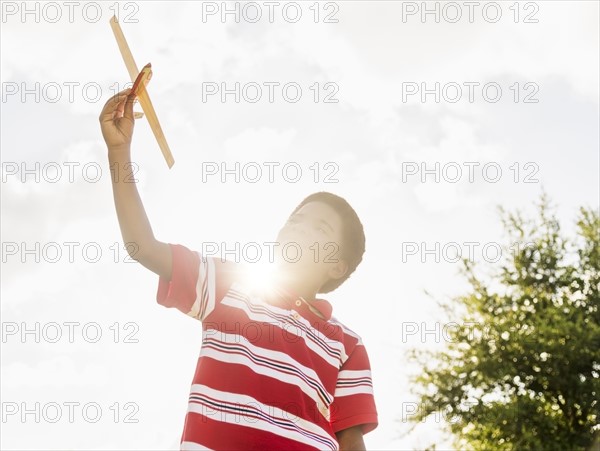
352	246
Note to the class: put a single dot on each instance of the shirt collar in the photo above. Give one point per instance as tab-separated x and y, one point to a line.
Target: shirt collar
324	307
321	305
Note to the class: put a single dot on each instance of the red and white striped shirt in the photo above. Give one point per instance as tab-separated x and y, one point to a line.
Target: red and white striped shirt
271	373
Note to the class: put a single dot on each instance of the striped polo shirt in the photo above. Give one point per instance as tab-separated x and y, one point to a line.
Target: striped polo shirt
271	373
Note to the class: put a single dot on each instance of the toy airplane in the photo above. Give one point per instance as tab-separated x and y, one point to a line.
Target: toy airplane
143	77
140	79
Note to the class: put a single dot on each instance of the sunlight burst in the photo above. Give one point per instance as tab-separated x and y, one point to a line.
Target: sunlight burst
260	277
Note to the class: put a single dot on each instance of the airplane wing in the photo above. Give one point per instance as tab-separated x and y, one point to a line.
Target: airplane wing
142	95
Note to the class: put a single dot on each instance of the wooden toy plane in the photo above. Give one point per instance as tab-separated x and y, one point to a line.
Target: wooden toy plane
140	79
143	77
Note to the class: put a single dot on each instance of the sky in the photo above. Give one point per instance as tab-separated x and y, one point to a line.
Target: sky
425	116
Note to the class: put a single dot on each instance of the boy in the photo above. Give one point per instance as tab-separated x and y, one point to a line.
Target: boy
276	370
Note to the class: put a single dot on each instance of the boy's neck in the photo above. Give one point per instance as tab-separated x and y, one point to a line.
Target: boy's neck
309	302
297	287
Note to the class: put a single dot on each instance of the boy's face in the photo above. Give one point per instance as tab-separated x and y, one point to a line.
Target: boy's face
313	237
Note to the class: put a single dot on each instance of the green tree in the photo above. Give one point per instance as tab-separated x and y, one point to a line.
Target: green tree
521	371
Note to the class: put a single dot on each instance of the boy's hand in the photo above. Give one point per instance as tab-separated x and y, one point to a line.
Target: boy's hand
117	120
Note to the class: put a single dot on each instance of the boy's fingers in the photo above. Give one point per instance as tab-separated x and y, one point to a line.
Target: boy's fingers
112	105
128	113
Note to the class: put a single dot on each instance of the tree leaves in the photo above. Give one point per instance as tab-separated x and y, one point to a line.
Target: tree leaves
522	369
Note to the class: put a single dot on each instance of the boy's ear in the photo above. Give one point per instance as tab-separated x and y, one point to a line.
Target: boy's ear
338	270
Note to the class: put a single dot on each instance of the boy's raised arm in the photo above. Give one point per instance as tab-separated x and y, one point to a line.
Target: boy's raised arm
117	123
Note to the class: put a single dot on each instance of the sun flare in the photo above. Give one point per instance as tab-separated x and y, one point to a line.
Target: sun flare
260	277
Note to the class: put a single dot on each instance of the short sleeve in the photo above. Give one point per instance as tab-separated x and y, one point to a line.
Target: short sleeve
354	401
192	286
